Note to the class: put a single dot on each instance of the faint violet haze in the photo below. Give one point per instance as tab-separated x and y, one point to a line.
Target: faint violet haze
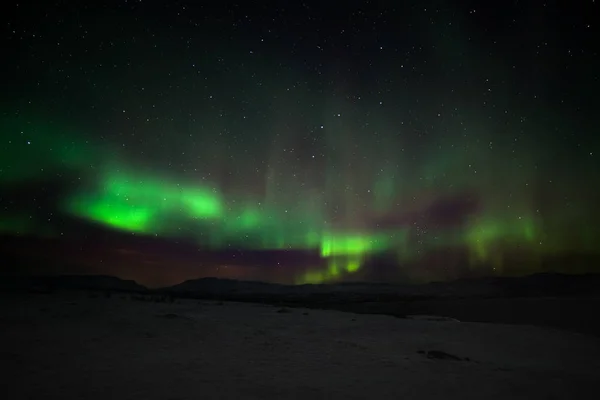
442	133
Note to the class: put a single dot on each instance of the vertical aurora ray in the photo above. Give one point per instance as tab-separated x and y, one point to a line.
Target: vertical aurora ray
345	178
336	268
332	216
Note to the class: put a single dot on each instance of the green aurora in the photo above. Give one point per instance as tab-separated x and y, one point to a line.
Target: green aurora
105	189
438	137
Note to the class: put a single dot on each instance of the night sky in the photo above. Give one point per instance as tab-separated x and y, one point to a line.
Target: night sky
301	142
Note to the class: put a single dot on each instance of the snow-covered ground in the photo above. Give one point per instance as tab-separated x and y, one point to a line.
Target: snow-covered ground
71	346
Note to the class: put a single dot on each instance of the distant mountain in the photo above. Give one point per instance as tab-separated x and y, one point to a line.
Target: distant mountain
69	282
217	286
528	286
538	285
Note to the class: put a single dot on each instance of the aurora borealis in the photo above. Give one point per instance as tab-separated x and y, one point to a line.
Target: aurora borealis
432	135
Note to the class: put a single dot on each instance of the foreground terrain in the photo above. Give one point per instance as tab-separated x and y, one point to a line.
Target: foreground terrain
90	346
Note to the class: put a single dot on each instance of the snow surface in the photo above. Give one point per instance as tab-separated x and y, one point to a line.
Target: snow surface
72	346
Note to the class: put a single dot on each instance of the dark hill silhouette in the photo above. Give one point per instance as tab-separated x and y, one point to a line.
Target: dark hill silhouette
556	300
545	284
562	301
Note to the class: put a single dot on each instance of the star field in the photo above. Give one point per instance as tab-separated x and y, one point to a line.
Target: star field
445	137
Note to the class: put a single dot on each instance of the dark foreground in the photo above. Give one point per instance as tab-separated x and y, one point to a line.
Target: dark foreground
576	314
86	345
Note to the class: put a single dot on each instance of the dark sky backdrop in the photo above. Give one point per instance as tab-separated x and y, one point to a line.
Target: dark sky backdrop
300	141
